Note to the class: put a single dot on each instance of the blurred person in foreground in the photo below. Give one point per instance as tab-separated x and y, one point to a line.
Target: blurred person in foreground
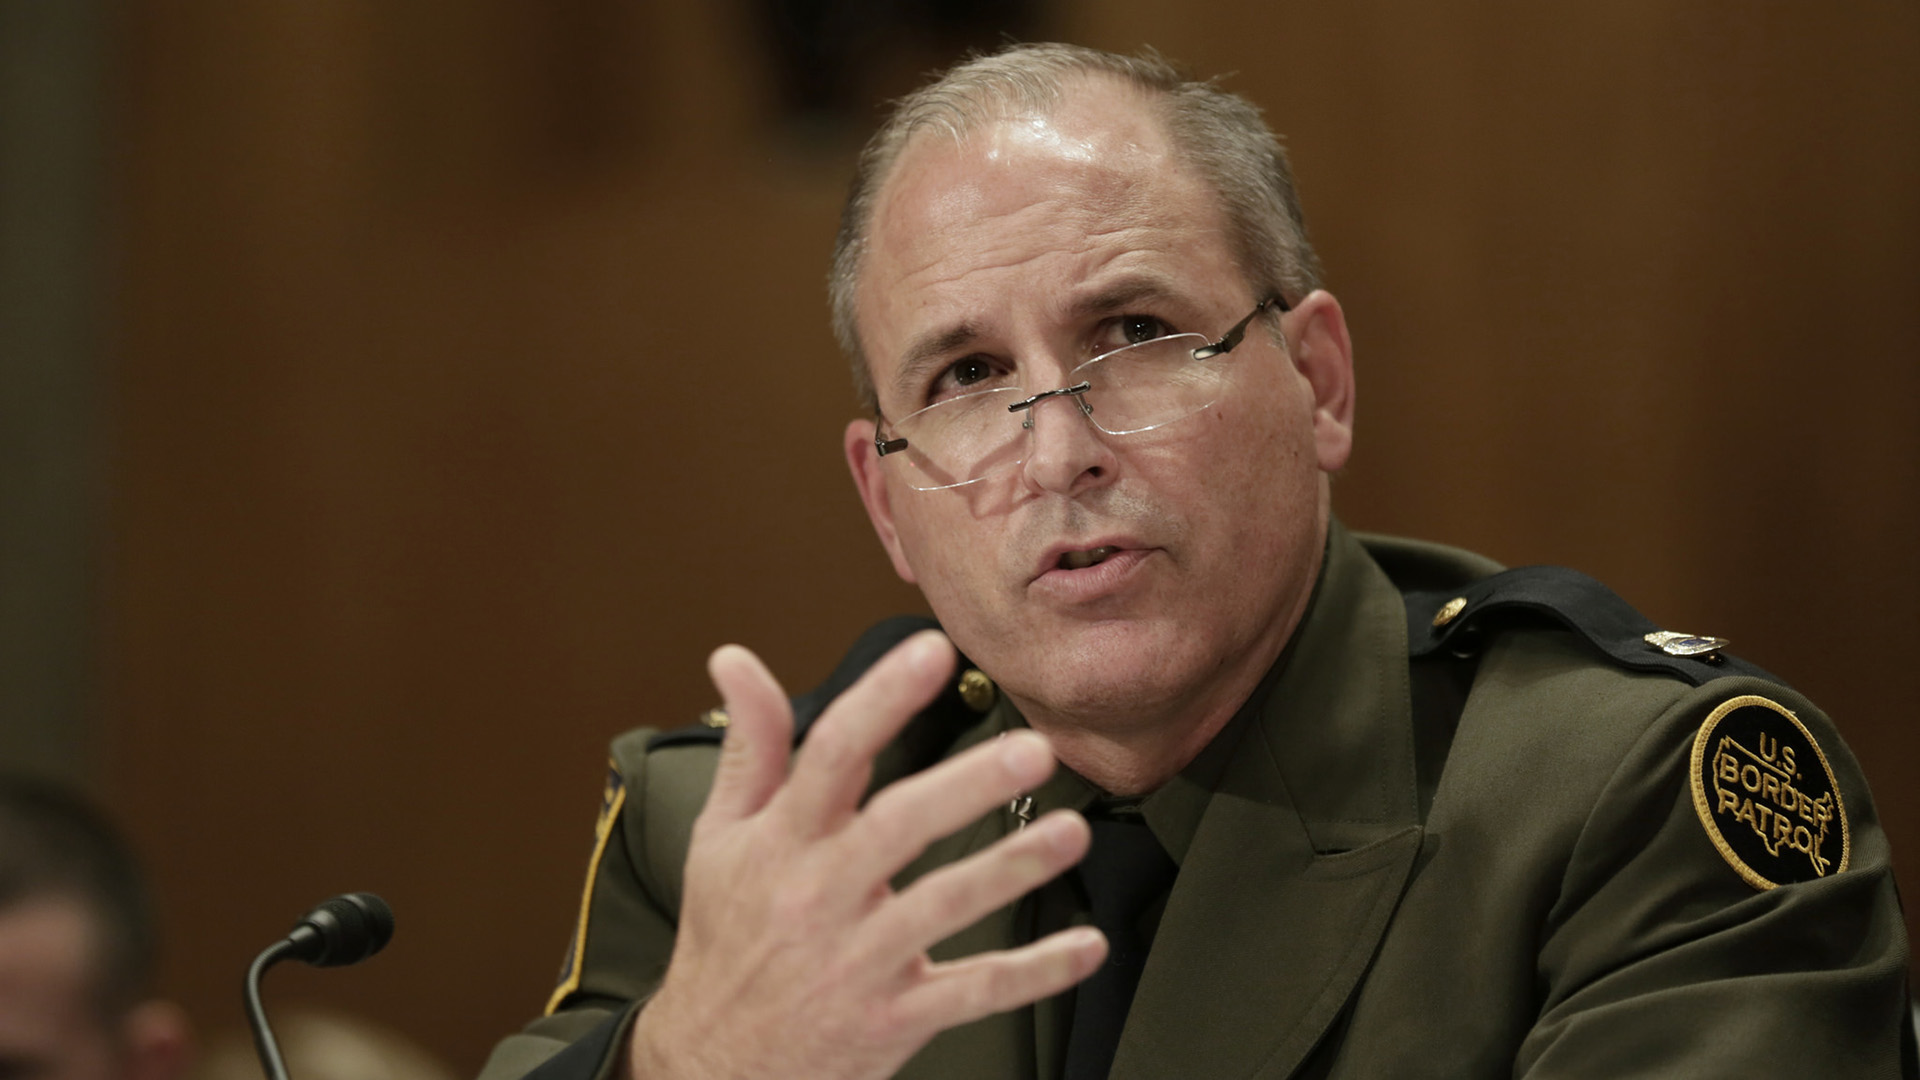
76	947
1218	788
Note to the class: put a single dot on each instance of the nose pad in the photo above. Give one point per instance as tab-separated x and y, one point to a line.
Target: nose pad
1064	454
1079	398
1078	390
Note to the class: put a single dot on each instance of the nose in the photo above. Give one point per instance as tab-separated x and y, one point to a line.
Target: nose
1066	454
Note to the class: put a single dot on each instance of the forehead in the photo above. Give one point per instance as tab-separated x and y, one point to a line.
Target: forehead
1029	210
1098	131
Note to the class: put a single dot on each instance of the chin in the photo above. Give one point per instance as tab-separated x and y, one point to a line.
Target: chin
1110	672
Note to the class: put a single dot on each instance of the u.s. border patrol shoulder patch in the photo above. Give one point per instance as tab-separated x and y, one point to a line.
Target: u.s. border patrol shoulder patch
1766	795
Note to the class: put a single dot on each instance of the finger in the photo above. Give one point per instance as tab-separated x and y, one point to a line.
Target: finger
966	990
898	823
753	754
957	895
836	760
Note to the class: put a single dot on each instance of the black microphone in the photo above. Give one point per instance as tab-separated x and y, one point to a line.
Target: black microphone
344	930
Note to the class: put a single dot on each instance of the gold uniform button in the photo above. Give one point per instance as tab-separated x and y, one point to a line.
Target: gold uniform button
716	718
1449	611
977	690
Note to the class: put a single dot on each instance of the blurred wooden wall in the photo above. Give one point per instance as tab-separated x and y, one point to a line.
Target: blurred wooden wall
472	381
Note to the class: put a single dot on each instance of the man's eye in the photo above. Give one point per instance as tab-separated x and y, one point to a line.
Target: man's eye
970	371
1126	330
961	376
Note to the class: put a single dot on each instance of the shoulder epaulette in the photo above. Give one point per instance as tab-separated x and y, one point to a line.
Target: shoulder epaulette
866	651
1460	619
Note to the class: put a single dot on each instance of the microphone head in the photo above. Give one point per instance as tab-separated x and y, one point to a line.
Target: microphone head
344	930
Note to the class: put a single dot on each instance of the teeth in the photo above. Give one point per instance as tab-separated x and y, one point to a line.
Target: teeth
1080	560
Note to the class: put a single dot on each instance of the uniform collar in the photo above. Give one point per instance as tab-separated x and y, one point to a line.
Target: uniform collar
1173	811
1300	854
1337	716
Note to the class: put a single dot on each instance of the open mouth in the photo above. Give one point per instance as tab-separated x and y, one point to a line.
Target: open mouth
1080	560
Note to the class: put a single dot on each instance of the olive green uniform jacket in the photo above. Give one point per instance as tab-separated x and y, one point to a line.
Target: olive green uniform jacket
1483	861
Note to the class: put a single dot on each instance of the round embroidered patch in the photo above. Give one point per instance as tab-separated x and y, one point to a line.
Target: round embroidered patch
1766	795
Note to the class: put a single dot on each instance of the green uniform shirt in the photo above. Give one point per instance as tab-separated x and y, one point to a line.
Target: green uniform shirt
1485	867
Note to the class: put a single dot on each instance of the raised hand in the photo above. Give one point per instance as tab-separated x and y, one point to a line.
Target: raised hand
795	956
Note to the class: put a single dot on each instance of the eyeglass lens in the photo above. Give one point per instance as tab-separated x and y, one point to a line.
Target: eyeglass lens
1134	389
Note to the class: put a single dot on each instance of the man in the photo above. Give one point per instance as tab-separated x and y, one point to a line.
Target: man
76	948
1323	807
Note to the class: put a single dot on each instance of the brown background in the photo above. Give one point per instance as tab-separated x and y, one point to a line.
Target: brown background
471	381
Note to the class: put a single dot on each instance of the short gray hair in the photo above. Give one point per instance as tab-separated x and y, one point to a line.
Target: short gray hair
1221	135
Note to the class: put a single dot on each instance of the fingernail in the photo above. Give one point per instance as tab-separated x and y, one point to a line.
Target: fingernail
1060	831
1086	939
925	652
1022	754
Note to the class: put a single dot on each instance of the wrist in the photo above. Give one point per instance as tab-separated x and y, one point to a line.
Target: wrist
651	1053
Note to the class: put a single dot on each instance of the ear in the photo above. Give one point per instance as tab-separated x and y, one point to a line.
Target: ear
1323	354
159	1041
863	460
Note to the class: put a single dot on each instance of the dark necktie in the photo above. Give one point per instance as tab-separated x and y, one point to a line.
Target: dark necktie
1124	871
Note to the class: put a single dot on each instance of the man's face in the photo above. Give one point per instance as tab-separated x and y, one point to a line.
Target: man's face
51	1027
1029	247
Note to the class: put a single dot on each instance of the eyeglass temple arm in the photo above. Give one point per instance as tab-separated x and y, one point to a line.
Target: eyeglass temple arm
1232	337
884	446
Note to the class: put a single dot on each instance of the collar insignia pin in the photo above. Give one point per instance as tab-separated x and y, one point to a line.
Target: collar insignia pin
1674	643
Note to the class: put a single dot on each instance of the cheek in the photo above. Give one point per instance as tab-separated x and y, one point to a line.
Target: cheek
1256	494
942	539
1258	443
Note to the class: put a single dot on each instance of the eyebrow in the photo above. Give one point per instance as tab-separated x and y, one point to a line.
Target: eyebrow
1122	294
927	350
